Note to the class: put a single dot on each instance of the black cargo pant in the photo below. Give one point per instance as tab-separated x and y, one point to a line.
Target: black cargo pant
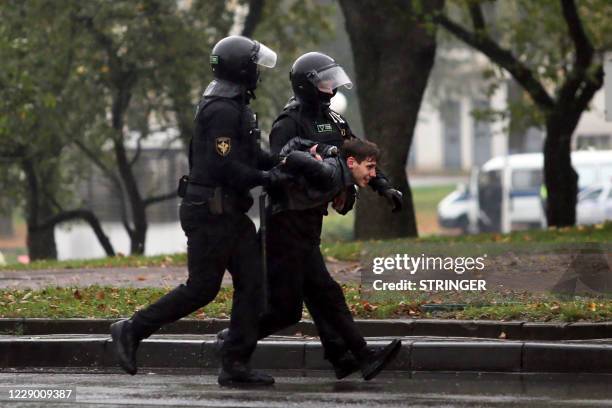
214	243
297	274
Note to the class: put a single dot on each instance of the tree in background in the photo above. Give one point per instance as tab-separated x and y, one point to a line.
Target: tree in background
152	57
393	50
42	106
89	80
553	49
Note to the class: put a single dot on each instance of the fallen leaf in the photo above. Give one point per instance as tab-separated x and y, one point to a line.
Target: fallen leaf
592	307
100	295
141	278
27	296
77	295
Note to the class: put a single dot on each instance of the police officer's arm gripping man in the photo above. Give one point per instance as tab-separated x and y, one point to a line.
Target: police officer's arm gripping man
320	173
227	150
296	120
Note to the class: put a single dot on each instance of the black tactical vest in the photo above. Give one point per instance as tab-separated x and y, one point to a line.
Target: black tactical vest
201	150
326	127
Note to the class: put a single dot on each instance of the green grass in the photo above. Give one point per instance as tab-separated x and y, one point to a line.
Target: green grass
94	302
426	199
351	251
108	302
338	228
115	261
601	234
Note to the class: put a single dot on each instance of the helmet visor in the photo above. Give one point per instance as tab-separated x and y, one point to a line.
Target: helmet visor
264	56
331	78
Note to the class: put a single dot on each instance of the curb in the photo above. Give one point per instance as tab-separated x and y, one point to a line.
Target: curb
415	355
514	330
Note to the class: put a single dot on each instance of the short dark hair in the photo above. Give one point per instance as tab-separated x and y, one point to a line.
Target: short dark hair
359	149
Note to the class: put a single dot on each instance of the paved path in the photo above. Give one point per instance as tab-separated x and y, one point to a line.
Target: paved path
321	390
133	277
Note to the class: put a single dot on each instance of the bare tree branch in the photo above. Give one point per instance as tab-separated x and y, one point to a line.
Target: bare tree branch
584	53
501	56
138	150
87	216
477	18
584	49
159	198
592	86
253	18
113	178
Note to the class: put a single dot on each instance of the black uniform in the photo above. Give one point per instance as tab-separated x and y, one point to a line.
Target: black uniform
296	266
225	162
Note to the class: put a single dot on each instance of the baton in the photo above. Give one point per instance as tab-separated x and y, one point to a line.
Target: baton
264	254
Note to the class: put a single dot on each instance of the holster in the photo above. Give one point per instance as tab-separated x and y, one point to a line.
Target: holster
182	186
220	200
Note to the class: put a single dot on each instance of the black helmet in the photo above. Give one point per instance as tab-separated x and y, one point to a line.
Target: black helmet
315	78
235	59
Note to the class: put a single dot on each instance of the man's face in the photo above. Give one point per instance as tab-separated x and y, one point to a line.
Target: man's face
362	171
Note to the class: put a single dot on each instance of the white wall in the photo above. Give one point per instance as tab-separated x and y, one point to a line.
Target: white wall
428	139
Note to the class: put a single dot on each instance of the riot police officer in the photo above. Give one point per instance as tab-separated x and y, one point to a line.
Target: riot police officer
297	269
225	162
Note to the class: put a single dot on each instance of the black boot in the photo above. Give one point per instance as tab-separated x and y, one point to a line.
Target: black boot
221	337
237	374
373	359
125	344
345	365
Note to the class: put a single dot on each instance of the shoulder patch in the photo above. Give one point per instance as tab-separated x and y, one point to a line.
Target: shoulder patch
223	145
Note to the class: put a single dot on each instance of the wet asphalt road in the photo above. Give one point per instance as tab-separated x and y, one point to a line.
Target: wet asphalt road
318	389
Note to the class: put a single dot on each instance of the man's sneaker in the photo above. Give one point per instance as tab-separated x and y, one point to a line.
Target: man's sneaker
373	359
345	365
238	374
125	345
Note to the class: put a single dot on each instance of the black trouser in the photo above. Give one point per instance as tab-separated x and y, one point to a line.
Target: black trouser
214	243
297	272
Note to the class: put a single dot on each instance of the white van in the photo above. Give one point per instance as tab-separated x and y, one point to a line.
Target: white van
504	194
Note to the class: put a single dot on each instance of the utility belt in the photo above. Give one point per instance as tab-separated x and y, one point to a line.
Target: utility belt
219	200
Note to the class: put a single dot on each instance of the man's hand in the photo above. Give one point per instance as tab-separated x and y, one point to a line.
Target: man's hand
394	197
313	152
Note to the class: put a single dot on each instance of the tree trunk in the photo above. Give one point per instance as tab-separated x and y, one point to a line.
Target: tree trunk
137	205
560	177
41	243
390	85
85	215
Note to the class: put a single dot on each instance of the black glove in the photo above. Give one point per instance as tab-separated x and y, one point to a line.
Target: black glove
327	150
275	177
394	197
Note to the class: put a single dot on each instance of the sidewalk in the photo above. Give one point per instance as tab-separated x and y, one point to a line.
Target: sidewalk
451	351
200	353
486	329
